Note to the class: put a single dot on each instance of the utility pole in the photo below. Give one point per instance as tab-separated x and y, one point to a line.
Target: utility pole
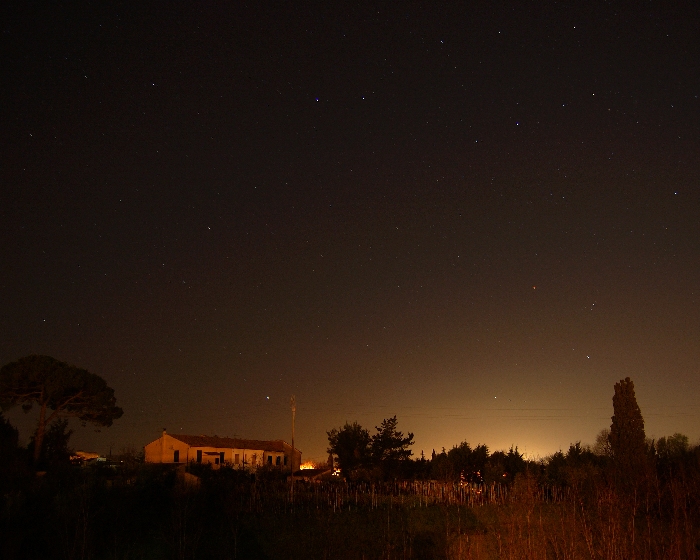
294	412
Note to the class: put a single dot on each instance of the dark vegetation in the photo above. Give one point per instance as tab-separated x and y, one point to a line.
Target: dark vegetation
466	502
60	391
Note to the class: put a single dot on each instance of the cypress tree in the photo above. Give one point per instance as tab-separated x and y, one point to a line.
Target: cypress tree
627	438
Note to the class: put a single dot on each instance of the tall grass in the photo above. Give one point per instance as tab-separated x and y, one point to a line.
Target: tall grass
154	514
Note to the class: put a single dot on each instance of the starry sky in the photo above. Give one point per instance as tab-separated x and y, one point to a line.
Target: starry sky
476	218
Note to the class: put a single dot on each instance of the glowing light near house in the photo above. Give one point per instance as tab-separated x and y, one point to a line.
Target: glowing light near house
307	465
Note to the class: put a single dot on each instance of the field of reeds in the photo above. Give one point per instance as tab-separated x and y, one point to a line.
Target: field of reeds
156	513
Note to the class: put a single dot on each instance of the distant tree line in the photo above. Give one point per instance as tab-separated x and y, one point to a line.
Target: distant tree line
622	453
386	455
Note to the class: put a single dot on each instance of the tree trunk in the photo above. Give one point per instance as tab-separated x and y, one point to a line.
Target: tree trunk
39	436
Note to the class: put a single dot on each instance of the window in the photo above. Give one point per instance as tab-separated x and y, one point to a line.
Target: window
221	457
199	455
237	459
285	460
277	461
216	461
269	459
176	456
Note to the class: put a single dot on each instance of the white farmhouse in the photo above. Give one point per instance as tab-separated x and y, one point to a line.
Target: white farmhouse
248	454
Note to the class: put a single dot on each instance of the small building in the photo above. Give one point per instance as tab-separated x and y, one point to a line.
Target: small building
248	454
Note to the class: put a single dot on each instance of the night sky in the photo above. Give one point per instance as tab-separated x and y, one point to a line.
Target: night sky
477	219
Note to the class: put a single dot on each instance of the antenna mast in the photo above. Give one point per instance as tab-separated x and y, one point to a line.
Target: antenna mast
293	403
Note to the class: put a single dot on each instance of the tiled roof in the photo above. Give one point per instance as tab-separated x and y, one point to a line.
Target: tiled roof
233	443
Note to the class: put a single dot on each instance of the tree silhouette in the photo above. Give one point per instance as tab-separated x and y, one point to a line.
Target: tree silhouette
441	468
469	462
351	445
672	447
388	444
627	439
8	437
54	449
59	390
390	448
602	443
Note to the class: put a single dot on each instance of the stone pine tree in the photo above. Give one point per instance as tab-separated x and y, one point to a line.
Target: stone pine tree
59	390
627	438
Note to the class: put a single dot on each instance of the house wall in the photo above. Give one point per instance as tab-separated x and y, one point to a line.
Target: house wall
270	459
288	454
211	455
247	458
163	450
254	458
296	463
